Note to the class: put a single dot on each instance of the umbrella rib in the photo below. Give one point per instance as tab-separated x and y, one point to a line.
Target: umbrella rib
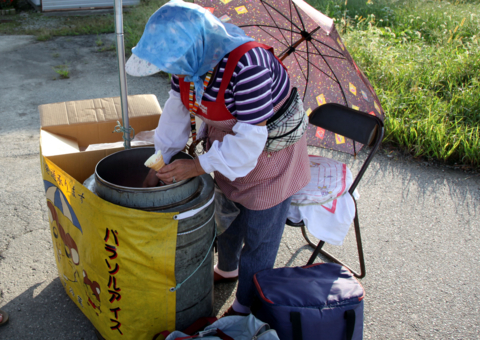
281	42
319	69
293	31
338	81
269	26
299	16
330	47
303	73
308	74
323	55
270	15
275	38
291	23
266	3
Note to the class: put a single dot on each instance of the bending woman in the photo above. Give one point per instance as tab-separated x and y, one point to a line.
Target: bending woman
237	86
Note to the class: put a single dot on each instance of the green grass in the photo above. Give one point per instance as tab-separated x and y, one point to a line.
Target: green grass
62	71
98	41
74	25
423	59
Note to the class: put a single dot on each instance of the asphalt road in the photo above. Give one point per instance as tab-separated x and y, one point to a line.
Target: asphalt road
420	222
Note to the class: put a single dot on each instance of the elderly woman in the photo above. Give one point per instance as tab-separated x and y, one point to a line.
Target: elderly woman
235	86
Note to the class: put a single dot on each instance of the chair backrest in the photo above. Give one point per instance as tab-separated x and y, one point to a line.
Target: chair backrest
359	126
356	125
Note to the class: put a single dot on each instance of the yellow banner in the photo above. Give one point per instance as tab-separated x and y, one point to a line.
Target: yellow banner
117	264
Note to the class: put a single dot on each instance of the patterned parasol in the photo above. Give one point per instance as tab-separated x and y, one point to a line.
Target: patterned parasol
310	47
56	196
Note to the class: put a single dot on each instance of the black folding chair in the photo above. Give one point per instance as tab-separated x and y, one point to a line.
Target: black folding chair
362	128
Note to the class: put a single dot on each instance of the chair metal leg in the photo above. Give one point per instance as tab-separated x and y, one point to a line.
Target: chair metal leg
315	252
318	248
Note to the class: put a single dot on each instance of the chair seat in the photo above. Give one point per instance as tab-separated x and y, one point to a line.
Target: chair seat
325	205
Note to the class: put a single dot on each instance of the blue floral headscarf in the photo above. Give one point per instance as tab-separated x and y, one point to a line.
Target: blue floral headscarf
185	39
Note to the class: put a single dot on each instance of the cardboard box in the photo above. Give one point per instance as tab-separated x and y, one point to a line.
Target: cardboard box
116	264
68	128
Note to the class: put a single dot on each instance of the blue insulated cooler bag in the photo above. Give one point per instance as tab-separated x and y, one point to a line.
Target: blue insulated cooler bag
319	301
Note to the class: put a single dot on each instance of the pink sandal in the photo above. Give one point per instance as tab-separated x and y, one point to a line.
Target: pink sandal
4	317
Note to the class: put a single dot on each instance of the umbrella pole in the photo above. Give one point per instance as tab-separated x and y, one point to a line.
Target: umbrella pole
121	68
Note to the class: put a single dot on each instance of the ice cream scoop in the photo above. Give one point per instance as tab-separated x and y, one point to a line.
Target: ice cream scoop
155	161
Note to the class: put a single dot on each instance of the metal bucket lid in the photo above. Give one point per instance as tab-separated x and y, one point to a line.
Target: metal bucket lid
119	178
126	170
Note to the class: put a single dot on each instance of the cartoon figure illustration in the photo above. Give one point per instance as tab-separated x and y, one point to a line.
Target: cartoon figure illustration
66	246
71	249
92	288
69	246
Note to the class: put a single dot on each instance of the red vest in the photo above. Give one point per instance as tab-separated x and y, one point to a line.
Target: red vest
217	111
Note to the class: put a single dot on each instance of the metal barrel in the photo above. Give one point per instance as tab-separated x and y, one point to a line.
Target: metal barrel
118	179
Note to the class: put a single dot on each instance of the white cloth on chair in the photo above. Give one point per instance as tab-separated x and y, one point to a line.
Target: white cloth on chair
325	205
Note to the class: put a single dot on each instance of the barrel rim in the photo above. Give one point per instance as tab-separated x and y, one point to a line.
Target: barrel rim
138	189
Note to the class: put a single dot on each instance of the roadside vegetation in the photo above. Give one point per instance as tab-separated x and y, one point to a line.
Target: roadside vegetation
62	71
38	24
422	57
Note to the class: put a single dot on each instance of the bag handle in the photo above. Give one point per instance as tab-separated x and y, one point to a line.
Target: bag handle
296	320
350	317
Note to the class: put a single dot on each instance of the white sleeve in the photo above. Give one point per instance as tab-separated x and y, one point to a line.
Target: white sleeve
237	155
173	130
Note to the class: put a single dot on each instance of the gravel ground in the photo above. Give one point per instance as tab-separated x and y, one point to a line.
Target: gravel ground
420	221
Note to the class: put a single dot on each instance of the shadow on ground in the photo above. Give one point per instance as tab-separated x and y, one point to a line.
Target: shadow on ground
60	317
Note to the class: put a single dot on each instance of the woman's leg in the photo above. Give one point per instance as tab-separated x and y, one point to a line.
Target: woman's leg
261	230
230	242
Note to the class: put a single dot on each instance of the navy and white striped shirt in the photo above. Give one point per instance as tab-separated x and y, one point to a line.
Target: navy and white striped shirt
258	84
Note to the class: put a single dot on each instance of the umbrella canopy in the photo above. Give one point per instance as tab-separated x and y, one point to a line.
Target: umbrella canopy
56	196
318	63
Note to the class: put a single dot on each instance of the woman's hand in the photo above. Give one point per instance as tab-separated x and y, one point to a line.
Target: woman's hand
179	170
151	180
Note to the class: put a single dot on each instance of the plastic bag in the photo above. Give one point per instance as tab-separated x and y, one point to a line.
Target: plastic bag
225	211
233	328
143	138
90	184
